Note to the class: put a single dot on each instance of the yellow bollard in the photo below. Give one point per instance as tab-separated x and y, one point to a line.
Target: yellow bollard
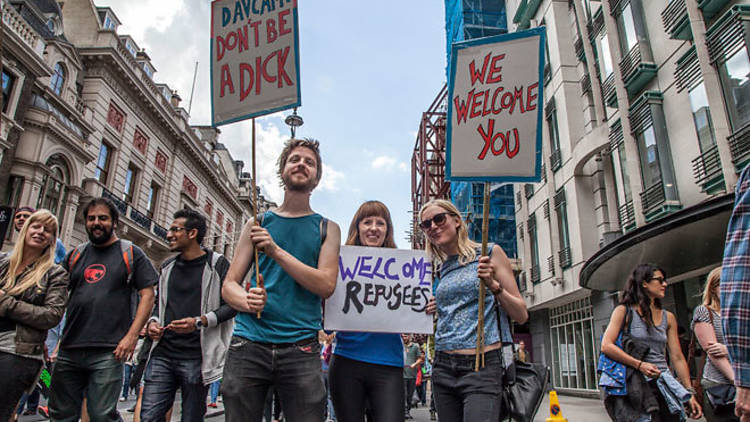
555	412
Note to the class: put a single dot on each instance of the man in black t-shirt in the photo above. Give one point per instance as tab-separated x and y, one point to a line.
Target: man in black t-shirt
100	332
191	325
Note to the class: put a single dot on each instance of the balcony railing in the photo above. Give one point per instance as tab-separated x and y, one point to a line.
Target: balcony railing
547	74
121	205
586	84
653	198
635	72
528	190
535	274
160	231
580	52
140	218
675	20
137	217
565	258
16	23
707	169
551	264
555	160
627	216
739	146
608	90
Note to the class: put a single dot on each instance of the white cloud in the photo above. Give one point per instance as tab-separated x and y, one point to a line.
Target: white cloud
331	179
383	162
403	166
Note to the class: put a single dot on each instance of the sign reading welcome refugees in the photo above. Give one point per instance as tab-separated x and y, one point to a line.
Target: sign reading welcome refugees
495	108
381	290
254	58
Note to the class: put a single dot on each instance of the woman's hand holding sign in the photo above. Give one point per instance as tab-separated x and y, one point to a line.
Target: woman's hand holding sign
486	273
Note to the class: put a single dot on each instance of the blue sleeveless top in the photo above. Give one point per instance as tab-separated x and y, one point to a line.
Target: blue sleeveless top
457	297
292	313
378	348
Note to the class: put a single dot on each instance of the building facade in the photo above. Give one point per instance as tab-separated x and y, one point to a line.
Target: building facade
646	127
88	120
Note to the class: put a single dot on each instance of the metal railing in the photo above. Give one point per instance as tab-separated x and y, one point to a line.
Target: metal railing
653	197
140	218
535	274
121	205
626	213
564	255
555	160
551	264
580	53
673	16
739	146
137	217
707	166
528	190
608	88
629	64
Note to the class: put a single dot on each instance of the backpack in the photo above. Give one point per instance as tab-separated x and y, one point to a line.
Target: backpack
126	247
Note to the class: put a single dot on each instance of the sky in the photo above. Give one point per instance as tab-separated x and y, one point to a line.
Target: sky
368	71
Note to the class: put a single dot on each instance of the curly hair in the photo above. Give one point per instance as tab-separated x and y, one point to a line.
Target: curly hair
635	294
309	143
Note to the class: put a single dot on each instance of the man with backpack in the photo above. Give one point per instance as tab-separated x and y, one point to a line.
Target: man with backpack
191	325
100	331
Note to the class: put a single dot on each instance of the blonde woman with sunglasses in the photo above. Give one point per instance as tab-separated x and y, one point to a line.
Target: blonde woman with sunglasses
461	394
33	293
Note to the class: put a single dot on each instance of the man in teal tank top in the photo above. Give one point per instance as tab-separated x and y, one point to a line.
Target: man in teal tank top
298	260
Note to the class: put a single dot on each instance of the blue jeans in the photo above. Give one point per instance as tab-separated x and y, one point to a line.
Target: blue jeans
294	370
214	390
127	374
461	394
163	378
29	401
93	370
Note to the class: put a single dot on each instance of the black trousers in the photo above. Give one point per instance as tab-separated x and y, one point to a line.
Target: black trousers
410	384
18	374
354	384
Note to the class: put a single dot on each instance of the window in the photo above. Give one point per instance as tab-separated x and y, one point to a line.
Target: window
58	79
702	117
131	48
55	187
623	165
15	187
606	62
153	198
147	69
735	81
102	163
573	347
562	228
554	139
626	28
534	246
109	23
130	177
649	157
8	82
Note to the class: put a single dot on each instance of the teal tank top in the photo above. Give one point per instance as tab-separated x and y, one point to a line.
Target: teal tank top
292	313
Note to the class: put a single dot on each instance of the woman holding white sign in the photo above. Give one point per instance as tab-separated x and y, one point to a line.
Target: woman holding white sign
368	366
461	393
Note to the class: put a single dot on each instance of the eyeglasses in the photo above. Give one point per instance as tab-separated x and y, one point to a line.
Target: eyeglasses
661	280
175	229
437	218
22	216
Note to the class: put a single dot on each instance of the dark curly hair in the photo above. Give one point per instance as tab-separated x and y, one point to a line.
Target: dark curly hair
635	294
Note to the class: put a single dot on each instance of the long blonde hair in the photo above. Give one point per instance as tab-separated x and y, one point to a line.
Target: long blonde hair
711	290
467	248
10	284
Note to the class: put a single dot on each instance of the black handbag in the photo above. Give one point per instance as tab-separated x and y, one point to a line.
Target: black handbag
524	386
721	398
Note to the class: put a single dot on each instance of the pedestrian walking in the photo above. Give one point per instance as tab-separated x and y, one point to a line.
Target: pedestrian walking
367	368
101	329
521	353
717	375
298	259
191	325
640	313
735	294
412	363
33	293
461	393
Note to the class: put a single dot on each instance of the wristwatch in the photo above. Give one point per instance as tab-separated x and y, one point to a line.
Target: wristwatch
199	323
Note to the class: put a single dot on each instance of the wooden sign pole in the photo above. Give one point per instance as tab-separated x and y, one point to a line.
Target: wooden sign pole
258	279
479	362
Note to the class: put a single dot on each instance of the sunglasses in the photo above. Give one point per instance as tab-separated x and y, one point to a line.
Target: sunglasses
661	280
438	219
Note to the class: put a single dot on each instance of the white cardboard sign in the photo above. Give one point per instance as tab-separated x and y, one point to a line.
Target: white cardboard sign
495	108
254	58
381	290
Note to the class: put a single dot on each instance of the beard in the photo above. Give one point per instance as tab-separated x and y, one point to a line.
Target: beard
299	187
101	239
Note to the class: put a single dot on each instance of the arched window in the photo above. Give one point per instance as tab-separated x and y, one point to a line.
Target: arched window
58	79
55	188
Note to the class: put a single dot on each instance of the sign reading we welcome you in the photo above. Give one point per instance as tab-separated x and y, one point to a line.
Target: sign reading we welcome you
381	290
254	58
495	108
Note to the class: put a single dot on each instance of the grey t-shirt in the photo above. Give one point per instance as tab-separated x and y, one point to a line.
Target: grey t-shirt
701	314
8	345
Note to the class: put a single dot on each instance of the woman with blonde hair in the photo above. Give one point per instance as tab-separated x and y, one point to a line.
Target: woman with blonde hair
367	368
461	394
717	371
33	293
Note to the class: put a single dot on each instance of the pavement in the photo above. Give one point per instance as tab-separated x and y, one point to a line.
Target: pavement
574	409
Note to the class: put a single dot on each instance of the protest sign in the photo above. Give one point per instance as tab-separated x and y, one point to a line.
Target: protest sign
254	58
495	108
381	290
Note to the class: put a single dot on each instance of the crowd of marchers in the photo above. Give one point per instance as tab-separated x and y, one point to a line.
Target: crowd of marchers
255	323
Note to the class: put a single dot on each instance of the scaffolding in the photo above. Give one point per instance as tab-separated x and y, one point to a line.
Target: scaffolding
428	163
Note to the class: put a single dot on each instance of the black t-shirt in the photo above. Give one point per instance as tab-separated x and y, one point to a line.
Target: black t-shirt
183	301
100	305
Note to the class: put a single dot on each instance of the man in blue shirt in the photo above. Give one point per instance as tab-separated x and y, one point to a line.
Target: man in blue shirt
299	263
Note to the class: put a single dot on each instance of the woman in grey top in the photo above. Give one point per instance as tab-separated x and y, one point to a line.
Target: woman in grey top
653	326
708	330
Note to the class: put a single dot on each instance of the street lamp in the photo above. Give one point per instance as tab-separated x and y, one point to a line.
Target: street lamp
294	121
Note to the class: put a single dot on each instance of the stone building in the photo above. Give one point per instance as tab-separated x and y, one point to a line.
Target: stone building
89	120
647	116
